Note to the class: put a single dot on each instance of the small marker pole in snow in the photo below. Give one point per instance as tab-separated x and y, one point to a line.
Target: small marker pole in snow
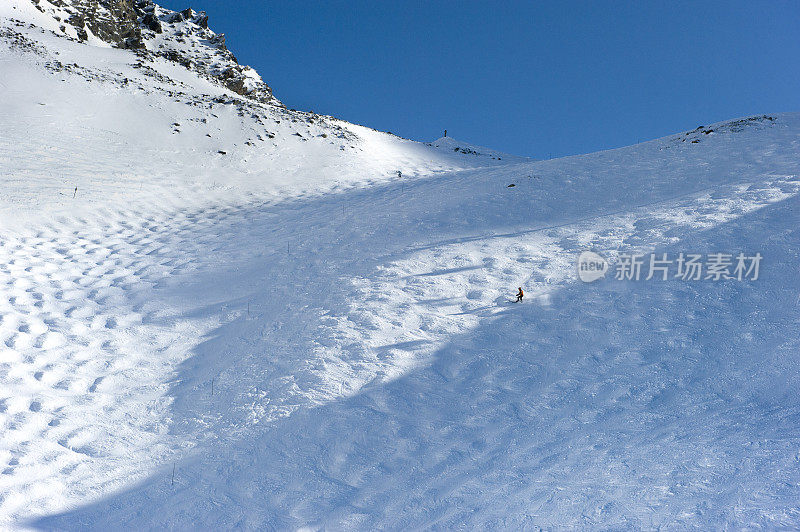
172	482
212	385
75	193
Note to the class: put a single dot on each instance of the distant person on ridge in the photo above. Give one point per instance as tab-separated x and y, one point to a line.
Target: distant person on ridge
520	294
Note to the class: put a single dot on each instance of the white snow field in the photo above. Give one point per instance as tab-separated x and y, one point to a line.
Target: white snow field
289	335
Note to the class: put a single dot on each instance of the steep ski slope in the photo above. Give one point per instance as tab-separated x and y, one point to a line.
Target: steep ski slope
290	335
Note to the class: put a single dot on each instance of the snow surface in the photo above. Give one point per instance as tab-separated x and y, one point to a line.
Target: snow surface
450	144
289	335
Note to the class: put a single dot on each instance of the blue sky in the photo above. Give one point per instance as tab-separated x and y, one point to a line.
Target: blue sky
530	78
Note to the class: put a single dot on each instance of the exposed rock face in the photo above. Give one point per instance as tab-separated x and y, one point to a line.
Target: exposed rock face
179	36
114	21
152	23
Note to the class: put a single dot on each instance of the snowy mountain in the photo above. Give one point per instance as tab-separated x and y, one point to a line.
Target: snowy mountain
217	312
152	31
457	146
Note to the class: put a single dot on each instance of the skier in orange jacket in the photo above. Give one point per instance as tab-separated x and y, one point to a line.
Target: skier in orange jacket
520	294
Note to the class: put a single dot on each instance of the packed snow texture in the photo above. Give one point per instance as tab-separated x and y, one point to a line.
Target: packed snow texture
219	313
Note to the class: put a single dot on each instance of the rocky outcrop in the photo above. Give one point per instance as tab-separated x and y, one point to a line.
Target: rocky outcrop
114	21
179	36
151	22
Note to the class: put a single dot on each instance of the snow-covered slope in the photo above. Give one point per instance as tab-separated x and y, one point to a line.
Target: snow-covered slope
289	334
449	144
113	122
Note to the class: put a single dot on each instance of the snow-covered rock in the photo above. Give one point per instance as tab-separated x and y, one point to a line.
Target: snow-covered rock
465	148
179	36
